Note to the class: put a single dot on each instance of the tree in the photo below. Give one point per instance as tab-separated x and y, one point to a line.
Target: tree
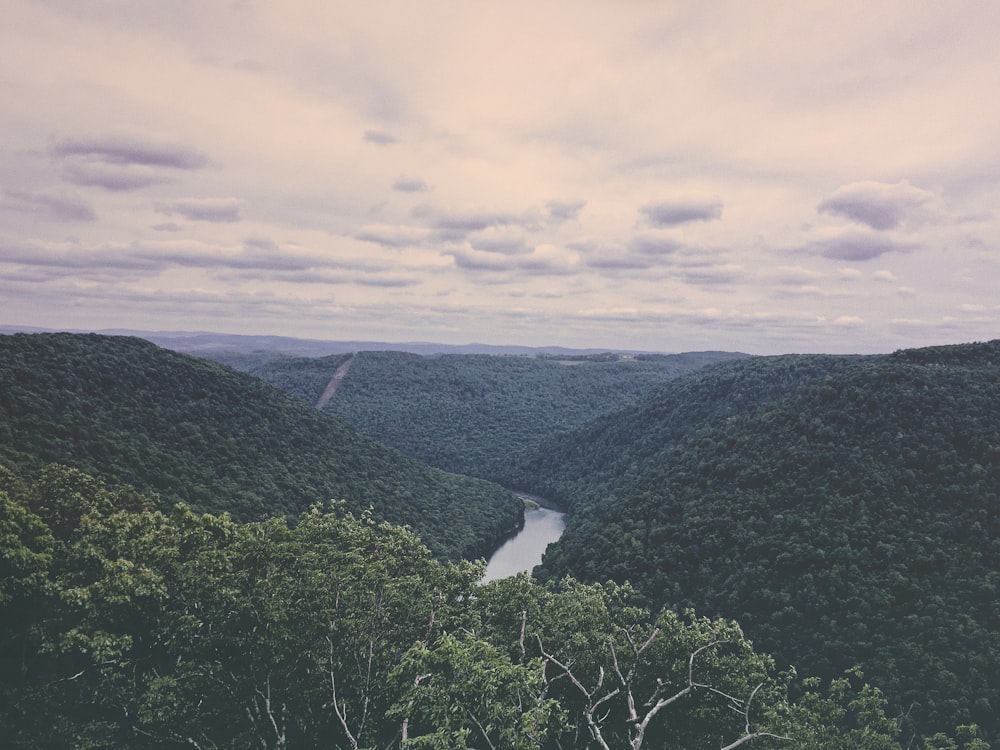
461	691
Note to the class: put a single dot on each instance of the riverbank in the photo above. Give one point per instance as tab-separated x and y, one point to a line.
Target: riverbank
538	500
544	523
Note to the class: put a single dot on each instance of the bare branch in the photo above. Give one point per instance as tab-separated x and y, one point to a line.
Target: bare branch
340	712
482	731
754	736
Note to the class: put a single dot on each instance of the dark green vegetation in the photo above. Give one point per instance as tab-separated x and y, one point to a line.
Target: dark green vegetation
844	510
124	626
472	414
195	431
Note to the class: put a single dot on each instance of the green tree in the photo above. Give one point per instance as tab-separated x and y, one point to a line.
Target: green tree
462	691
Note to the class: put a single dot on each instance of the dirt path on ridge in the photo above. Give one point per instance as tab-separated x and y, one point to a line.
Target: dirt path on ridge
335	382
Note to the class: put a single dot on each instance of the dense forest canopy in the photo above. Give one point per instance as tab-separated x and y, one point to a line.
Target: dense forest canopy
126	626
219	440
845	510
473	414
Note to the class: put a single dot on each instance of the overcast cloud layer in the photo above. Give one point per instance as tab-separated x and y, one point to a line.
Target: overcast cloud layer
766	177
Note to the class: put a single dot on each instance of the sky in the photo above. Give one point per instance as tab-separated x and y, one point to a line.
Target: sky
766	177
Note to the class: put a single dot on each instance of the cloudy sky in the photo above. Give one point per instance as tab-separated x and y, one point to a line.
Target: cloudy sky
758	176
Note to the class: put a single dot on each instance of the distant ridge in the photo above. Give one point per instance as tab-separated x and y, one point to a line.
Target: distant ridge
194	342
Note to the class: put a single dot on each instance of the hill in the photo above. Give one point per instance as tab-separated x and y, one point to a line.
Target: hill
473	414
845	510
219	440
198	342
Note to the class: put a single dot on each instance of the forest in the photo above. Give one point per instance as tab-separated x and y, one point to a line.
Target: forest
196	432
474	414
796	551
845	510
126	626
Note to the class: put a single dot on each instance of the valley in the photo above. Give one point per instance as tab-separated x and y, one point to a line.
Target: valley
841	512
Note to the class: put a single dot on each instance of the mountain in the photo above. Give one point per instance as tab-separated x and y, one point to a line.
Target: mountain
474	414
197	342
845	510
195	431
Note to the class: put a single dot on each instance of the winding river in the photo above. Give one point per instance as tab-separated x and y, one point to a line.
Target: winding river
542	526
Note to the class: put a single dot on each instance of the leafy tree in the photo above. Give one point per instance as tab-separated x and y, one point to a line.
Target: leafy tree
462	691
152	629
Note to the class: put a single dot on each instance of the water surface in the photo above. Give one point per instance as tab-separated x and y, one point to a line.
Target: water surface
542	526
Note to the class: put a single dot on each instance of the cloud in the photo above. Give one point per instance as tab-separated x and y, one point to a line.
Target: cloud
391	236
796	275
471	260
216	210
60	207
542	260
388	282
681	211
878	205
613	257
884	276
380	138
256	254
410	185
857	246
621	262
503	240
476	221
127	151
64	256
112	177
565	210
728	273
651	245
122	163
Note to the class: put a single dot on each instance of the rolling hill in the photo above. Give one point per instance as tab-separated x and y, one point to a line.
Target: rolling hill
197	432
473	414
845	510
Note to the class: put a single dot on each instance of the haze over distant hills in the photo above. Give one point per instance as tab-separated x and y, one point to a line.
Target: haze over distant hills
195	342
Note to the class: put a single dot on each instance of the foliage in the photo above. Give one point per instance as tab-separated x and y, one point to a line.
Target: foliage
845	510
132	627
199	433
472	413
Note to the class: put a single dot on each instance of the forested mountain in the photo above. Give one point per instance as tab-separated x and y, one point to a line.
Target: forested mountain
845	510
219	440
472	414
124	626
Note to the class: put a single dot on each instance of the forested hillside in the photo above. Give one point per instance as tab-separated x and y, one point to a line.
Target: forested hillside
124	626
845	510
472	414
219	440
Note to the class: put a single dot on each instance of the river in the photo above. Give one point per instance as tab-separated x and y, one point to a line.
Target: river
542	526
